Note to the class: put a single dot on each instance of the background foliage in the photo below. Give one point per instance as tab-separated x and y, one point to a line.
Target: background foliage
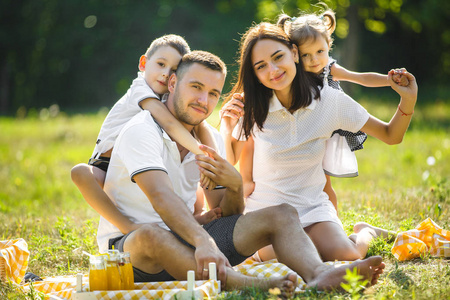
59	57
83	55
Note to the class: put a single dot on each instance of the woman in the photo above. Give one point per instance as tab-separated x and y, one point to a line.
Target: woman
290	115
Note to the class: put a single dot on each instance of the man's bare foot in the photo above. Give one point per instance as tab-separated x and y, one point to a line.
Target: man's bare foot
286	284
375	231
329	277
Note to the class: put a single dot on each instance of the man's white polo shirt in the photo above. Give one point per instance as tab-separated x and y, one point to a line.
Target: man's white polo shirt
143	146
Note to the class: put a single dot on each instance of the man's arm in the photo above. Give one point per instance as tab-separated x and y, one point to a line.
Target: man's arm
158	188
230	199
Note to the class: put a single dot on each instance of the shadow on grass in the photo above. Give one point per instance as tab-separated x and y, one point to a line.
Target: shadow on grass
401	279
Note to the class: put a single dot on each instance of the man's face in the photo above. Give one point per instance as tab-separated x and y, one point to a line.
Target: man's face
195	95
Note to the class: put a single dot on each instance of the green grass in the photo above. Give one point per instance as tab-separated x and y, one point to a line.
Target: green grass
397	188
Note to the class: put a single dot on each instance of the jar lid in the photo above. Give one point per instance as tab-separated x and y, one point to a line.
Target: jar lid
113	254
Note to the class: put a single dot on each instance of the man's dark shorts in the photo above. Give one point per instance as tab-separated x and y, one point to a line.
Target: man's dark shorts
221	230
102	162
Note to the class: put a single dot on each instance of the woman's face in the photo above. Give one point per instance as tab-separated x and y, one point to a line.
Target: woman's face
274	64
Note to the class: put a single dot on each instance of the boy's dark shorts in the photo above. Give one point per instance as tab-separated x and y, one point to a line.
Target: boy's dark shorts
102	162
221	230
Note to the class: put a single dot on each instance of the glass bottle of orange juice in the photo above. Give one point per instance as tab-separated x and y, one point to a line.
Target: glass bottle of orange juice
113	270
126	271
97	273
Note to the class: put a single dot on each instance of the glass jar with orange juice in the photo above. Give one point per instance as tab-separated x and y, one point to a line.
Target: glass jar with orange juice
126	271
113	270
97	273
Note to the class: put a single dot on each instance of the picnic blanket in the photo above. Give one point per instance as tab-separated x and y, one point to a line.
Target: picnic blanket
427	237
272	267
13	259
64	287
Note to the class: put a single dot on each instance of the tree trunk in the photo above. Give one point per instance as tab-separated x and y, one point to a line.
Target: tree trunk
351	46
4	87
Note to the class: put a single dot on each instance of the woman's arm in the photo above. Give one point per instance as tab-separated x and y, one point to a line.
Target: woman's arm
246	167
230	114
392	133
330	191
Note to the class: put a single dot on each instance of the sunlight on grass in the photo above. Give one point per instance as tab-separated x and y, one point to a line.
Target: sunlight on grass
398	187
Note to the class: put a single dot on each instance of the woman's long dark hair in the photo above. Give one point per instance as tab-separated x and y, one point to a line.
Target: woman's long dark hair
305	87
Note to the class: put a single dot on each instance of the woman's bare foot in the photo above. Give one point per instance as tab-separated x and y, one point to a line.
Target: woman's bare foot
330	277
286	284
375	231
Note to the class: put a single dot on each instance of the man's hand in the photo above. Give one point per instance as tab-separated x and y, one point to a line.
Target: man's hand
218	169
208	252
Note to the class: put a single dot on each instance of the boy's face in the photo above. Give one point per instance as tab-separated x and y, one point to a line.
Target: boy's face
158	68
314	54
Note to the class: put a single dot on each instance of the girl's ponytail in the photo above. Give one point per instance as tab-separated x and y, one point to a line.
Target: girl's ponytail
282	19
329	20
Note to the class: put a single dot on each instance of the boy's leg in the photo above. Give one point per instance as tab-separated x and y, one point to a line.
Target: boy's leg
89	180
280	226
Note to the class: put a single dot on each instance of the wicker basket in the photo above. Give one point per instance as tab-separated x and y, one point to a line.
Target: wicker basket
2	269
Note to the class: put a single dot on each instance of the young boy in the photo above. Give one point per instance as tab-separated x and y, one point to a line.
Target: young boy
159	62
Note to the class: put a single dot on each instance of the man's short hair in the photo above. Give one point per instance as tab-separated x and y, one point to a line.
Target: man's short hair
204	58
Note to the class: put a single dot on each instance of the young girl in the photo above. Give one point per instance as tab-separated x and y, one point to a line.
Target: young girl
290	114
159	62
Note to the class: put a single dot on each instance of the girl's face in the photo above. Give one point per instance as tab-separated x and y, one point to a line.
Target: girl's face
314	54
274	64
158	68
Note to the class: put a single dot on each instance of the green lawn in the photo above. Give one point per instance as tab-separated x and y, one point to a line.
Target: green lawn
398	187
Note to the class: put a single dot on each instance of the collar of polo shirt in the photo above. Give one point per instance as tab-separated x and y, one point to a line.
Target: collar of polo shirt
275	104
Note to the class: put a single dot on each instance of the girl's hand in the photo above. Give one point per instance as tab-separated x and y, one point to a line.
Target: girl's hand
399	77
407	92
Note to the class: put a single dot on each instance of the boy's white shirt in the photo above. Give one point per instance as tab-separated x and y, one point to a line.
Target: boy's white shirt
121	113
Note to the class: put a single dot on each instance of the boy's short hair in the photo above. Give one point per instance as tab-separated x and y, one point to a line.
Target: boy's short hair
204	58
172	40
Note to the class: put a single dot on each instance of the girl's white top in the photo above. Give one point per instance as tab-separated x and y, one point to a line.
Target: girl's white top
289	150
121	113
339	159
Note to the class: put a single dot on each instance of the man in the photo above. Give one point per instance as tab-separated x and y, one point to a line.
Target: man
153	180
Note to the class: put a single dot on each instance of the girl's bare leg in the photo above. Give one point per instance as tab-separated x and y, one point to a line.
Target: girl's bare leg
332	242
377	231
